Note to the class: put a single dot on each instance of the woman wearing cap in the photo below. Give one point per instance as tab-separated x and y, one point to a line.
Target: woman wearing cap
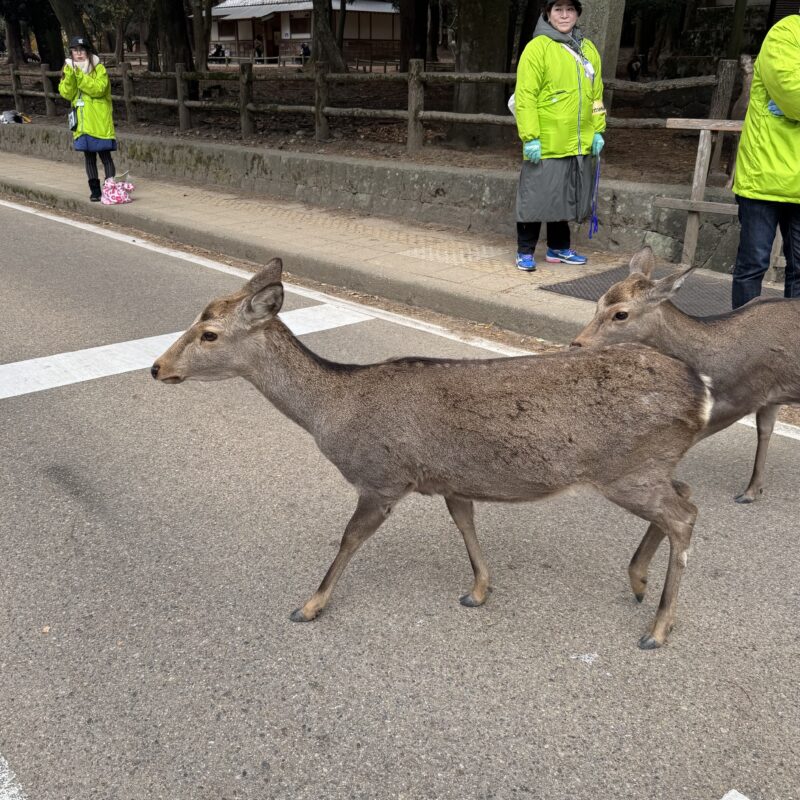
560	119
86	86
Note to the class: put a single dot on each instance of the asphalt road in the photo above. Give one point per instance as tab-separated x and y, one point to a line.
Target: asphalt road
155	540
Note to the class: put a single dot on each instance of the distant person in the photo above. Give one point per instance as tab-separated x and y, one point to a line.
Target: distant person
85	84
634	67
258	48
305	52
217	54
767	183
560	118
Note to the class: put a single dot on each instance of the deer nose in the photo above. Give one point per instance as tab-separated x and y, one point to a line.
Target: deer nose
154	370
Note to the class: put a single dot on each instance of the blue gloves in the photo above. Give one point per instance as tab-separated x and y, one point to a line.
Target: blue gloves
774	110
598	143
532	151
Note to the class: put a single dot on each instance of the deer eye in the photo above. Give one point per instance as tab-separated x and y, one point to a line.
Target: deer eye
621	315
208	336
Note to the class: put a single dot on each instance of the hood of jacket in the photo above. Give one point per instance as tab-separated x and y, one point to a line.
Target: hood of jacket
572	40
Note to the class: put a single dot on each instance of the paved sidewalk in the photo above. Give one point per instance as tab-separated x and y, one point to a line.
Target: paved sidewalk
452	272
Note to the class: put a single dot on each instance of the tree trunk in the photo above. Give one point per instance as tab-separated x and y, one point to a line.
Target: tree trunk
513	19
323	44
199	34
14	41
152	43
69	17
340	25
530	16
47	30
172	25
737	34
480	47
119	33
434	30
413	30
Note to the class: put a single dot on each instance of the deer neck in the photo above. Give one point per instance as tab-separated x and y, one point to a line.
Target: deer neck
299	383
683	337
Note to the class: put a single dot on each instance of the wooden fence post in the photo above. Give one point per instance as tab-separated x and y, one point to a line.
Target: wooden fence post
48	89
245	98
322	130
416	103
127	93
16	88
184	115
721	102
698	190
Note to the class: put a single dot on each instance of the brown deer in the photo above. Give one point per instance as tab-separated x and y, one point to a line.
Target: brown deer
506	429
751	355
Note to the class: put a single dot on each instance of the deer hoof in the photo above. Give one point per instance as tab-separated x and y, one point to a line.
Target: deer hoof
470	601
298	615
648	642
744	498
639	596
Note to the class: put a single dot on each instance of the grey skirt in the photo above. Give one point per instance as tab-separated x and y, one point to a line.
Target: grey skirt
555	189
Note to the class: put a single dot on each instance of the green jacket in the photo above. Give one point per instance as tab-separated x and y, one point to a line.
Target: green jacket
768	163
555	100
94	89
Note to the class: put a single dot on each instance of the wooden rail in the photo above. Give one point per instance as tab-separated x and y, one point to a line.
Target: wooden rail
415	115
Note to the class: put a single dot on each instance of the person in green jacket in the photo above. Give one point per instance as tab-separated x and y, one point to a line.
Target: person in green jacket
85	84
560	120
767	183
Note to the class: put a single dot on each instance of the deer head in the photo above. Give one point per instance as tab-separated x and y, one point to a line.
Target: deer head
630	310
220	341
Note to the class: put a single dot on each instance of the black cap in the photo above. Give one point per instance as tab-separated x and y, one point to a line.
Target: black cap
80	41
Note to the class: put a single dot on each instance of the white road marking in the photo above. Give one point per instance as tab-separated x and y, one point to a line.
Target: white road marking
39	374
9	786
781	428
734	795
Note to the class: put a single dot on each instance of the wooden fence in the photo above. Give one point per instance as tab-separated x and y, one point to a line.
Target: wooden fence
415	115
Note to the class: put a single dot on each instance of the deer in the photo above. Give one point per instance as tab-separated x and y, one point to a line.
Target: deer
510	429
751	355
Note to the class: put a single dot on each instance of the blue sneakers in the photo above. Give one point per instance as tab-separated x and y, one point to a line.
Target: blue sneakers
564	257
525	262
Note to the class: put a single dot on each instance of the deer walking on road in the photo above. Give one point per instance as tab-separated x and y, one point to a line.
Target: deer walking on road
506	429
751	355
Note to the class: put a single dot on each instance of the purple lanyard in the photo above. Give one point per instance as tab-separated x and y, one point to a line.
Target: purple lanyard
594	224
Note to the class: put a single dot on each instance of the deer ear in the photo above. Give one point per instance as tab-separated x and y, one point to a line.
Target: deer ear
643	262
667	287
264	304
268	275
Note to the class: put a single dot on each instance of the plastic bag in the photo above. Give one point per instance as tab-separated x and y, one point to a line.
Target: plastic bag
116	192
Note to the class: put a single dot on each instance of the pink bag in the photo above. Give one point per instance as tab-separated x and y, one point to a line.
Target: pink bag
116	192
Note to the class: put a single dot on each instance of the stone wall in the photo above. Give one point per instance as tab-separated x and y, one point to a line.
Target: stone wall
460	198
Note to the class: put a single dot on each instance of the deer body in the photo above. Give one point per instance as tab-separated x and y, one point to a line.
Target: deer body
507	429
751	355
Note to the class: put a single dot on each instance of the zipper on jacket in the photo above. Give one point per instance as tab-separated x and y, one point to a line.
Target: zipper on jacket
580	104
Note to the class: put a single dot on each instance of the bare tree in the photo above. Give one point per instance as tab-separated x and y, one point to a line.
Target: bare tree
480	47
413	30
70	18
324	45
201	31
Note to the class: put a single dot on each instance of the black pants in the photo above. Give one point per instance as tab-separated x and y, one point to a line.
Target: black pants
528	236
91	164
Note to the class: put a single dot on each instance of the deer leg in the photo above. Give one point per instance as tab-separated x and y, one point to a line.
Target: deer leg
462	512
669	510
640	563
370	513
765	423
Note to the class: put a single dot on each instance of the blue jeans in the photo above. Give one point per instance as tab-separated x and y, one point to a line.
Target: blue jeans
759	220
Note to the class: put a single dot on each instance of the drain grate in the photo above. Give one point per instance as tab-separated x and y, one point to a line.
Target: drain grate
701	295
